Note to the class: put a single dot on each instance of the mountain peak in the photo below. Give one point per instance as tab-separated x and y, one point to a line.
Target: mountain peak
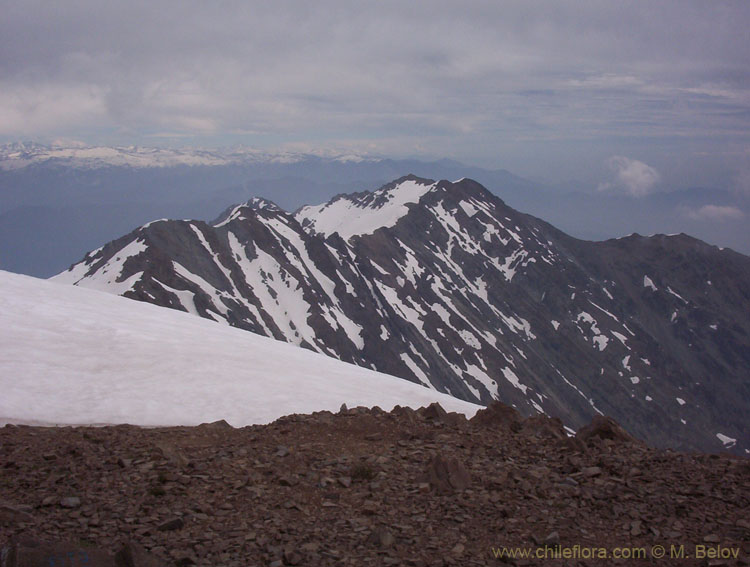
448	287
257	204
365	212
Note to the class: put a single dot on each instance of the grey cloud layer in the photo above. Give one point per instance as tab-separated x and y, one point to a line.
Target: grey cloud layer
448	78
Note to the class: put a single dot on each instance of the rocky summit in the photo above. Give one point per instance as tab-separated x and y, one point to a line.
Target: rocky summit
365	487
443	284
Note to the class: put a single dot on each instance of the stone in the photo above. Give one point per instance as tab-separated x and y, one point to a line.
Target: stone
602	427
381	537
292	557
282	451
220	424
170	525
70	502
433	412
497	414
173	454
544	426
446	475
14	514
134	555
589	472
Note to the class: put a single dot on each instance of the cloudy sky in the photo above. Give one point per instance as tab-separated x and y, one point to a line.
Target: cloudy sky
621	96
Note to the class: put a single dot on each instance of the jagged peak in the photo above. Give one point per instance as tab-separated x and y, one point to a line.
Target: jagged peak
363	213
256	204
263	204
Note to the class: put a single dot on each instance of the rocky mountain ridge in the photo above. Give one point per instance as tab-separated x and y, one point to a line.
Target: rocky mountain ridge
443	284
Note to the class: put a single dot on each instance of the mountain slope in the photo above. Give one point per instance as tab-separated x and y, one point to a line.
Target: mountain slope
79	356
443	284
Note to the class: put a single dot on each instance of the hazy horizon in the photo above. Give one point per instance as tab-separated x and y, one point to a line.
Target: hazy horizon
627	97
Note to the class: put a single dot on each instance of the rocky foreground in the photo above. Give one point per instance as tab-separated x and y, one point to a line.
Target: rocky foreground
365	487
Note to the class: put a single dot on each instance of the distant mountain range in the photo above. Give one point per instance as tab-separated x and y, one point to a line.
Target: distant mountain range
57	202
445	285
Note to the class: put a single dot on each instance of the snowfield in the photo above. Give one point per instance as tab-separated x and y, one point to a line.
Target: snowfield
70	355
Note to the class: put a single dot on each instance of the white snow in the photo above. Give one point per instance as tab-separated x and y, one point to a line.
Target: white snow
468	208
728	441
620	337
71	355
647	282
680	401
511	377
350	217
677	295
600	341
107	277
635	379
555	324
418	372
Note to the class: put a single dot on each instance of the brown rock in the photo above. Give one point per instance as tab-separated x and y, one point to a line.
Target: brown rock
602	427
446	475
133	555
381	537
544	426
591	471
70	502
221	424
433	412
170	525
13	514
497	415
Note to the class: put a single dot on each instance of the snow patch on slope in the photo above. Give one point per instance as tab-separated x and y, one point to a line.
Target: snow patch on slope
350	217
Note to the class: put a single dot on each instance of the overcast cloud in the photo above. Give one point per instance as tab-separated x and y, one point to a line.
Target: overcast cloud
546	89
631	176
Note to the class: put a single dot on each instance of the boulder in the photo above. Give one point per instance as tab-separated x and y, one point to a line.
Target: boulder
446	475
602	427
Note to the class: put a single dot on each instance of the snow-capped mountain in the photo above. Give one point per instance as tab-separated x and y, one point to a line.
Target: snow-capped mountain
443	284
23	154
78	356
